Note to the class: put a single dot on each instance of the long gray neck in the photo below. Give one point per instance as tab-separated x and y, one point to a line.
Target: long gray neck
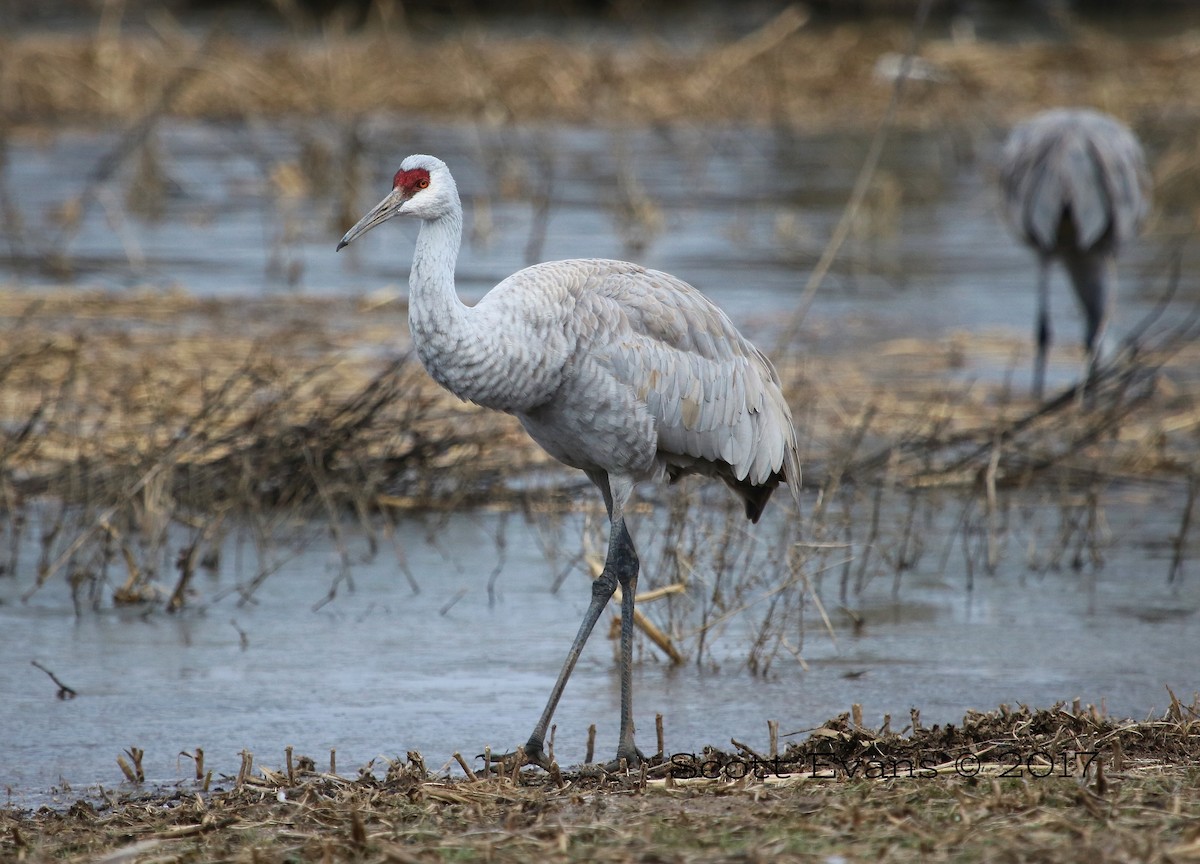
435	314
459	348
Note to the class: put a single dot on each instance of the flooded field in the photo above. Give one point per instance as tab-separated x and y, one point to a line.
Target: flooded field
742	213
420	654
387	669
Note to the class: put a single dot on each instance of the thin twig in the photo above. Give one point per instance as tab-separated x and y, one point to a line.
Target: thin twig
861	186
64	692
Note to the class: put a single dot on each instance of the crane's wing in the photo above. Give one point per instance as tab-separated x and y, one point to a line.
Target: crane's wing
1079	160
716	399
1127	181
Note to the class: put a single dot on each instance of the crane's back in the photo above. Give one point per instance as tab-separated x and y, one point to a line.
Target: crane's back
1074	180
644	376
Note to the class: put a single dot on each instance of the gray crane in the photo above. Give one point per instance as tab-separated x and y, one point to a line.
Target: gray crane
1075	188
625	373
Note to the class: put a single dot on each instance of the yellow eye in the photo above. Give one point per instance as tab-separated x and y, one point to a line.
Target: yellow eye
422	183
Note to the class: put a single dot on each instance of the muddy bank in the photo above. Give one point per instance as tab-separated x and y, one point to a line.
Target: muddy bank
1063	784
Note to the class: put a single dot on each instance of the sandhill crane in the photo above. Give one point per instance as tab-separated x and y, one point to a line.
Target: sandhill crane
1076	188
626	373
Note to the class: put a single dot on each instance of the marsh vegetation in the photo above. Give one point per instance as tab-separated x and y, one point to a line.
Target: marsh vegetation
153	427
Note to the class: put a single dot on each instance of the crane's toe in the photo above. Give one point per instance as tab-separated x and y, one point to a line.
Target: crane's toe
529	754
536	756
627	758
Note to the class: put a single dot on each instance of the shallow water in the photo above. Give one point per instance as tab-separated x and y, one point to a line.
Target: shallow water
741	214
383	669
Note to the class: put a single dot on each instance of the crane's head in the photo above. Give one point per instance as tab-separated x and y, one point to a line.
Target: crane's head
422	187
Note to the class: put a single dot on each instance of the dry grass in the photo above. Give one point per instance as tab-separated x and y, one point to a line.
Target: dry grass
1056	784
138	430
787	73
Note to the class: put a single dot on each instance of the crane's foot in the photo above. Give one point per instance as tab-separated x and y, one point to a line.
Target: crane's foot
628	757
535	755
531	754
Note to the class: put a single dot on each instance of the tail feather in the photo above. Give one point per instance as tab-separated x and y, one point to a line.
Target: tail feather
755	497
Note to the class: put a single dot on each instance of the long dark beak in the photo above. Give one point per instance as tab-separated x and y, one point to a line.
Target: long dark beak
380	213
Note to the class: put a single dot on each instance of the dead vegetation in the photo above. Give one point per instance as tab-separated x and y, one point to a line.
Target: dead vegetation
1062	784
140	433
131	448
787	73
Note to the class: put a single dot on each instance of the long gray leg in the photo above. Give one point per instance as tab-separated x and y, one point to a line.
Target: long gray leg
620	568
1093	275
603	587
626	566
622	560
1042	333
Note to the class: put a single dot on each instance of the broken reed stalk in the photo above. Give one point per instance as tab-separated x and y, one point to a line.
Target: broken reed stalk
358	831
1118	755
458	757
187	560
989	482
417	761
519	762
134	774
745	748
246	769
199	760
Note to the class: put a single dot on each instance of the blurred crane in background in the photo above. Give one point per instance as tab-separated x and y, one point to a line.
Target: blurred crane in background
1076	189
